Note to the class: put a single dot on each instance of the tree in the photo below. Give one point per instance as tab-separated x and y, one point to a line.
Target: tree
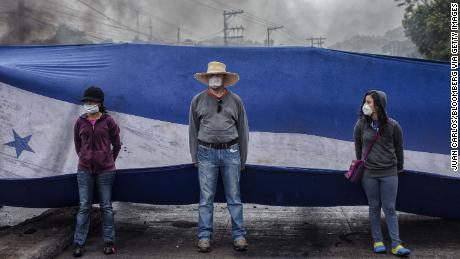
426	23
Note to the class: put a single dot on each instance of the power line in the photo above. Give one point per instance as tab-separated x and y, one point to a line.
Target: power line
144	13
52	10
251	16
210	35
209	6
101	13
265	23
109	18
285	35
164	21
95	19
113	20
141	11
41	21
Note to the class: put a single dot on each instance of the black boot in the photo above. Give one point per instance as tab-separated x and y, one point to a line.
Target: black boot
109	248
78	250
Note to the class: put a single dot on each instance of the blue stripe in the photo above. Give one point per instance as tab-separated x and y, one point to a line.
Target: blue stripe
294	187
288	90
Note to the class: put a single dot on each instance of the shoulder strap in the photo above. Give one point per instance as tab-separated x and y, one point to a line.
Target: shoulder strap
376	136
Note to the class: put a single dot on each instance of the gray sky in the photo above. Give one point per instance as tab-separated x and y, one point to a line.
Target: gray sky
202	19
333	19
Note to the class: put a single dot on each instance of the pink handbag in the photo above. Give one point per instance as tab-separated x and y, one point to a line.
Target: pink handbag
356	170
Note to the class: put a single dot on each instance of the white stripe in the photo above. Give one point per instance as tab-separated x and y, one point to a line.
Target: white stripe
151	143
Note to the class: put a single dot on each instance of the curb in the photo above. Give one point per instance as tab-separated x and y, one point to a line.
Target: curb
44	236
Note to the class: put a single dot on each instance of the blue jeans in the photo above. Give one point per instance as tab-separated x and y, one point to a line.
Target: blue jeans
86	182
228	162
381	193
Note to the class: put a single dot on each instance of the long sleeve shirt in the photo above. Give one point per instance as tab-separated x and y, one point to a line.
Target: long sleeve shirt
387	154
210	126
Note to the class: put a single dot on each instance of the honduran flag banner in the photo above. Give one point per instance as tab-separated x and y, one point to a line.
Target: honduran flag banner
302	105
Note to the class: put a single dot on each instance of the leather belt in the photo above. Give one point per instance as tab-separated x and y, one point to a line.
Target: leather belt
218	145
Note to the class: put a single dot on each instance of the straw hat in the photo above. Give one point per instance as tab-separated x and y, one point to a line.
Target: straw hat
218	68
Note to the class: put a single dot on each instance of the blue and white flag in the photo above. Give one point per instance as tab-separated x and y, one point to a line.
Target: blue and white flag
302	105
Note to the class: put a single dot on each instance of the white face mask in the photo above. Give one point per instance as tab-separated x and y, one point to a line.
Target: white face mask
215	82
91	108
367	110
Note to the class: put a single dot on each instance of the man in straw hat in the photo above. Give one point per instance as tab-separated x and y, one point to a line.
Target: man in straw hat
218	135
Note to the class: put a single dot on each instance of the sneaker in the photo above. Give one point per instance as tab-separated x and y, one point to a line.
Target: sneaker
109	248
400	251
379	248
78	250
240	244
204	245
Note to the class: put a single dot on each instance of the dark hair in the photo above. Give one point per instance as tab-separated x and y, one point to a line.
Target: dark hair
102	108
381	112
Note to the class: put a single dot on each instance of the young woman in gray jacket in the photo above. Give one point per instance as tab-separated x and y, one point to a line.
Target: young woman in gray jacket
384	162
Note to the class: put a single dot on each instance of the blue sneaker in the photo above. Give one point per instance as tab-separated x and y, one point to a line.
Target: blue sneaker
400	251
379	248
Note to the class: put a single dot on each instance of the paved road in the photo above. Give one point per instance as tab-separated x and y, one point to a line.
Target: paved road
147	231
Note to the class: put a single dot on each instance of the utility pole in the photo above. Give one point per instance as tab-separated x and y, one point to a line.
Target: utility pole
228	15
236	32
150	29
137	23
316	42
20	24
269	31
178	35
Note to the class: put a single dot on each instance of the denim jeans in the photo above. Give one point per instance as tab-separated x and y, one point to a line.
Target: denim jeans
228	162
86	182
381	193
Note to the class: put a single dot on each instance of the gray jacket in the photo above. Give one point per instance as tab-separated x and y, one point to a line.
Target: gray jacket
387	156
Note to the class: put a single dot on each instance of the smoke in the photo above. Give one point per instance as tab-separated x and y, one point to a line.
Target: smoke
334	19
17	29
198	20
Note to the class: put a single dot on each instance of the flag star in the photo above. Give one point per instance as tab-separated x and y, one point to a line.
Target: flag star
20	144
